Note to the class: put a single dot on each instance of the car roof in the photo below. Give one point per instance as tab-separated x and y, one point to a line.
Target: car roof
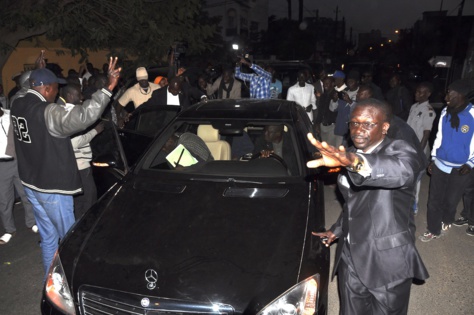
257	109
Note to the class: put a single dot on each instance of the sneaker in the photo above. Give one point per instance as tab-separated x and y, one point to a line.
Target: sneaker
6	238
427	236
460	221
445	227
34	228
470	230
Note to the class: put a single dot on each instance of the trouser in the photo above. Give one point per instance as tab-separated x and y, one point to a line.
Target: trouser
468	200
9	182
327	135
357	299
83	202
445	193
417	192
54	215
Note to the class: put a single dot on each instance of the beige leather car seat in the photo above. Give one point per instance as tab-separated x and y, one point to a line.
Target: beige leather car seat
220	149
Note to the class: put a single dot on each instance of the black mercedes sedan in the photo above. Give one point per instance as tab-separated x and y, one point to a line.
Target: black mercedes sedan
214	218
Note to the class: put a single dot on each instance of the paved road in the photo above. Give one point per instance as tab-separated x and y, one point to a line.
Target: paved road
450	261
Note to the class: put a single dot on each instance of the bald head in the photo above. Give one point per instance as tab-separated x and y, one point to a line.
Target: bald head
175	85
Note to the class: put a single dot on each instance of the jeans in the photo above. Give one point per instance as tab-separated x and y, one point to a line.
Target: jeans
54	215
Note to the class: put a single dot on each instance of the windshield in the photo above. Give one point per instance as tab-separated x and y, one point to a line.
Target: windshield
231	148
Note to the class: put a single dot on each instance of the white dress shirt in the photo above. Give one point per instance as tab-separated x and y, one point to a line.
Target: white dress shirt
5	125
303	96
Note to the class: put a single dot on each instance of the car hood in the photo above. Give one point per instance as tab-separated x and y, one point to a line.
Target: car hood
207	241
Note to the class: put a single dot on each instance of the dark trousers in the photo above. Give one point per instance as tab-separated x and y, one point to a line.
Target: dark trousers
445	193
83	202
468	200
357	299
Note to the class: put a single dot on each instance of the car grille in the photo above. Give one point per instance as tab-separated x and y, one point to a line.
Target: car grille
100	301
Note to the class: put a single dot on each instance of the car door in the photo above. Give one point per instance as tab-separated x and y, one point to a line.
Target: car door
116	150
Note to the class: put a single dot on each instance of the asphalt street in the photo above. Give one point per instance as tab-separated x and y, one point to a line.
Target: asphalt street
449	260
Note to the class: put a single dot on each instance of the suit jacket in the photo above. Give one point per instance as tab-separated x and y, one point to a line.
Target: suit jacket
377	215
160	96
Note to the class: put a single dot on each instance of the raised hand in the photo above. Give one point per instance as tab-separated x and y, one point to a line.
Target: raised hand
331	156
113	74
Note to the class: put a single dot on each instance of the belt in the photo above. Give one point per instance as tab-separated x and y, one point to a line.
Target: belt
5	159
327	124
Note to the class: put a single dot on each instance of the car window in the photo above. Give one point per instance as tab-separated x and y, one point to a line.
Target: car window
185	148
150	122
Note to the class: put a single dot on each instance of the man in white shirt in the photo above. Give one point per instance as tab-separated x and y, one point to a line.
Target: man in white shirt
421	119
138	93
303	94
9	181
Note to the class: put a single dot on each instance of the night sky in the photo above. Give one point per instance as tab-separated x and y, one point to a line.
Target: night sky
365	15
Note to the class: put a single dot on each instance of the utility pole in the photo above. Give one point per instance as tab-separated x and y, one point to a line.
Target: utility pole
335	31
457	30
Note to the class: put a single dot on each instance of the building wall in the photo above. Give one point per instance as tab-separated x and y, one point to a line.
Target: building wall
25	55
239	17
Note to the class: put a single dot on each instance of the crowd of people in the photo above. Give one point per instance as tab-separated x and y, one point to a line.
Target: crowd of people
382	139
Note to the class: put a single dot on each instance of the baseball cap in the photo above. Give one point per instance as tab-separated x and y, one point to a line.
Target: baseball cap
44	76
339	74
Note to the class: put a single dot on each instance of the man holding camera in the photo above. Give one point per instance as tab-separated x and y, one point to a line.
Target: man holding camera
303	94
259	81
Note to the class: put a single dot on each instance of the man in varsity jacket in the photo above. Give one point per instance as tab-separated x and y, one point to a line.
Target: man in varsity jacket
46	161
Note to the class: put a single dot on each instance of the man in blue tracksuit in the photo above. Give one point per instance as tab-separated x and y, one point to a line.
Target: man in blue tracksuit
452	159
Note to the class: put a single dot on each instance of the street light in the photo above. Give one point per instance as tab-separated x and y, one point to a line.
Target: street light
235	46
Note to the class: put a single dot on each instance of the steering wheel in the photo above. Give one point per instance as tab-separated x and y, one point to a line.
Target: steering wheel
273	156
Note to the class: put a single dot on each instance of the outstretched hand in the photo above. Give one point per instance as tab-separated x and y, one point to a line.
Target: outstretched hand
113	74
331	156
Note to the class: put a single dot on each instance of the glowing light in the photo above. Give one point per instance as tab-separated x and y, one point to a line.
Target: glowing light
310	297
235	46
98	164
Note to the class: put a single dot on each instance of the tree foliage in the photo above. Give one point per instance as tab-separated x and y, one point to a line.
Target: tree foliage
141	29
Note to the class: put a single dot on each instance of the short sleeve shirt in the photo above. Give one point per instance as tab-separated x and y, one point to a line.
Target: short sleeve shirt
421	118
137	95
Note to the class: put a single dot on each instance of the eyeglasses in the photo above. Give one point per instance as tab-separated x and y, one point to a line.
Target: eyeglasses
364	125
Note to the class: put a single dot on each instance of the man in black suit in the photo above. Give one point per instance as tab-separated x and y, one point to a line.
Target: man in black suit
376	258
177	93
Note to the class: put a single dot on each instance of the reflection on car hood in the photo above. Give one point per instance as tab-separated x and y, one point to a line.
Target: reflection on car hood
204	246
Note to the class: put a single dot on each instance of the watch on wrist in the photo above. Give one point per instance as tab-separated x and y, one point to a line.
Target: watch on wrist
357	165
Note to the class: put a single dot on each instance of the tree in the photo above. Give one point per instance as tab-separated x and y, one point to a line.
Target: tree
142	29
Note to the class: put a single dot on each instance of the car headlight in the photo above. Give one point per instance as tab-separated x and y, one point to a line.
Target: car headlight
301	299
57	288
